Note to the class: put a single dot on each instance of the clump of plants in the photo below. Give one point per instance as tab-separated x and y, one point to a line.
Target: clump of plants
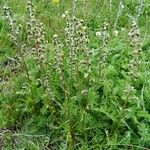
84	88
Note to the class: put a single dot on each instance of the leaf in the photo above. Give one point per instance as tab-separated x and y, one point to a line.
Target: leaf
144	114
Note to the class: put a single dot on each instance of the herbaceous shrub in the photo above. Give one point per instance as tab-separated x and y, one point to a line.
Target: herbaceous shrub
85	87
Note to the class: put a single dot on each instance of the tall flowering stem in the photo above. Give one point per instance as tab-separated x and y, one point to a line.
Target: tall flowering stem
134	63
103	52
36	36
70	35
59	69
77	41
82	41
39	46
13	27
119	13
15	32
136	43
81	45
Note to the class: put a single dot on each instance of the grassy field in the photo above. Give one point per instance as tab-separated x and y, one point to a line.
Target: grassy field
75	75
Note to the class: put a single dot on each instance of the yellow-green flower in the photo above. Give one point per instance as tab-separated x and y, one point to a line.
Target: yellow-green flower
55	1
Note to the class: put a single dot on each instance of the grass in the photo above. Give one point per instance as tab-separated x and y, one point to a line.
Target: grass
80	81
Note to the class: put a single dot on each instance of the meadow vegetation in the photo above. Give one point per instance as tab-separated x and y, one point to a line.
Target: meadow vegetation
75	75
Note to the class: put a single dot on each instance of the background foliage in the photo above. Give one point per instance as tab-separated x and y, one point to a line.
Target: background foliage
42	105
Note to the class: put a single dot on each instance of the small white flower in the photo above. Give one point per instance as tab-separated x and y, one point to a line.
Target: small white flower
122	6
55	35
130	34
98	34
116	32
86	75
122	29
63	15
66	12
